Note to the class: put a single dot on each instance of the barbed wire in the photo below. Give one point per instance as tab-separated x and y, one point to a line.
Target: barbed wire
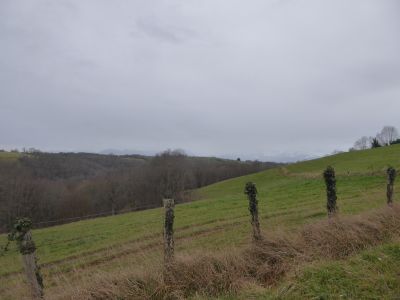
4	248
151	236
91	216
49	223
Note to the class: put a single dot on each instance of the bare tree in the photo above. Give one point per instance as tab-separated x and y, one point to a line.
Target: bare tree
387	135
111	191
362	143
112	195
171	173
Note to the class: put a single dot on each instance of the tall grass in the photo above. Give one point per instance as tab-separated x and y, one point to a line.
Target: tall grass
263	263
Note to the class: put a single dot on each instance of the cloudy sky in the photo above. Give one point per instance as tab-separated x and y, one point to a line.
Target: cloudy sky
259	79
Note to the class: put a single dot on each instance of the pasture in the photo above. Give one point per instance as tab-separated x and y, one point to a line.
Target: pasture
289	197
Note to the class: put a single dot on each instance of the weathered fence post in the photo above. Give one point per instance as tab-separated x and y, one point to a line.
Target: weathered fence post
251	191
330	181
21	233
169	231
391	176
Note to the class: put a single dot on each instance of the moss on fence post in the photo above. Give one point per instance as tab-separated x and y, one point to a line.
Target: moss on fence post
251	191
21	233
391	176
330	181
169	231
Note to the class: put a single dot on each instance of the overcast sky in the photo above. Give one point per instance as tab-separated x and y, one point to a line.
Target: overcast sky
274	79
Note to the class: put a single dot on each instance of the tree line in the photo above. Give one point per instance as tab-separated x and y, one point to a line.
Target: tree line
51	186
389	135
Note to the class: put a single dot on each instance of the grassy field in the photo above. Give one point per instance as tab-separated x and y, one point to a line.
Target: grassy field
9	155
288	197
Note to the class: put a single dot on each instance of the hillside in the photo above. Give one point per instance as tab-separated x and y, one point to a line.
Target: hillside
65	186
289	196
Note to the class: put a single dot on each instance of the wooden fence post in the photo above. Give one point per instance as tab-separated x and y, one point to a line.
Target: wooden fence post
391	176
251	191
22	235
330	181
30	265
169	231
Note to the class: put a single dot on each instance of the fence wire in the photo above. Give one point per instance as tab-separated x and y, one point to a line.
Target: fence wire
91	216
50	223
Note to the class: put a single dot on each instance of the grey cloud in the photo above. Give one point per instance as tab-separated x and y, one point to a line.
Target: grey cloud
261	79
149	28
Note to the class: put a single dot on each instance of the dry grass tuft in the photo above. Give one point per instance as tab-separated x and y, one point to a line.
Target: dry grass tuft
341	237
263	263
207	274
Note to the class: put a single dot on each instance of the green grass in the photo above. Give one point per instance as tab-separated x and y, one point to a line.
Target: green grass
288	197
372	274
9	155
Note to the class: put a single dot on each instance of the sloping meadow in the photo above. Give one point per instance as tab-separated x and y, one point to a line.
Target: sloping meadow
121	256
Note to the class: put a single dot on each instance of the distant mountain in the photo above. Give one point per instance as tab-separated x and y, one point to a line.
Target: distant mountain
283	157
127	152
